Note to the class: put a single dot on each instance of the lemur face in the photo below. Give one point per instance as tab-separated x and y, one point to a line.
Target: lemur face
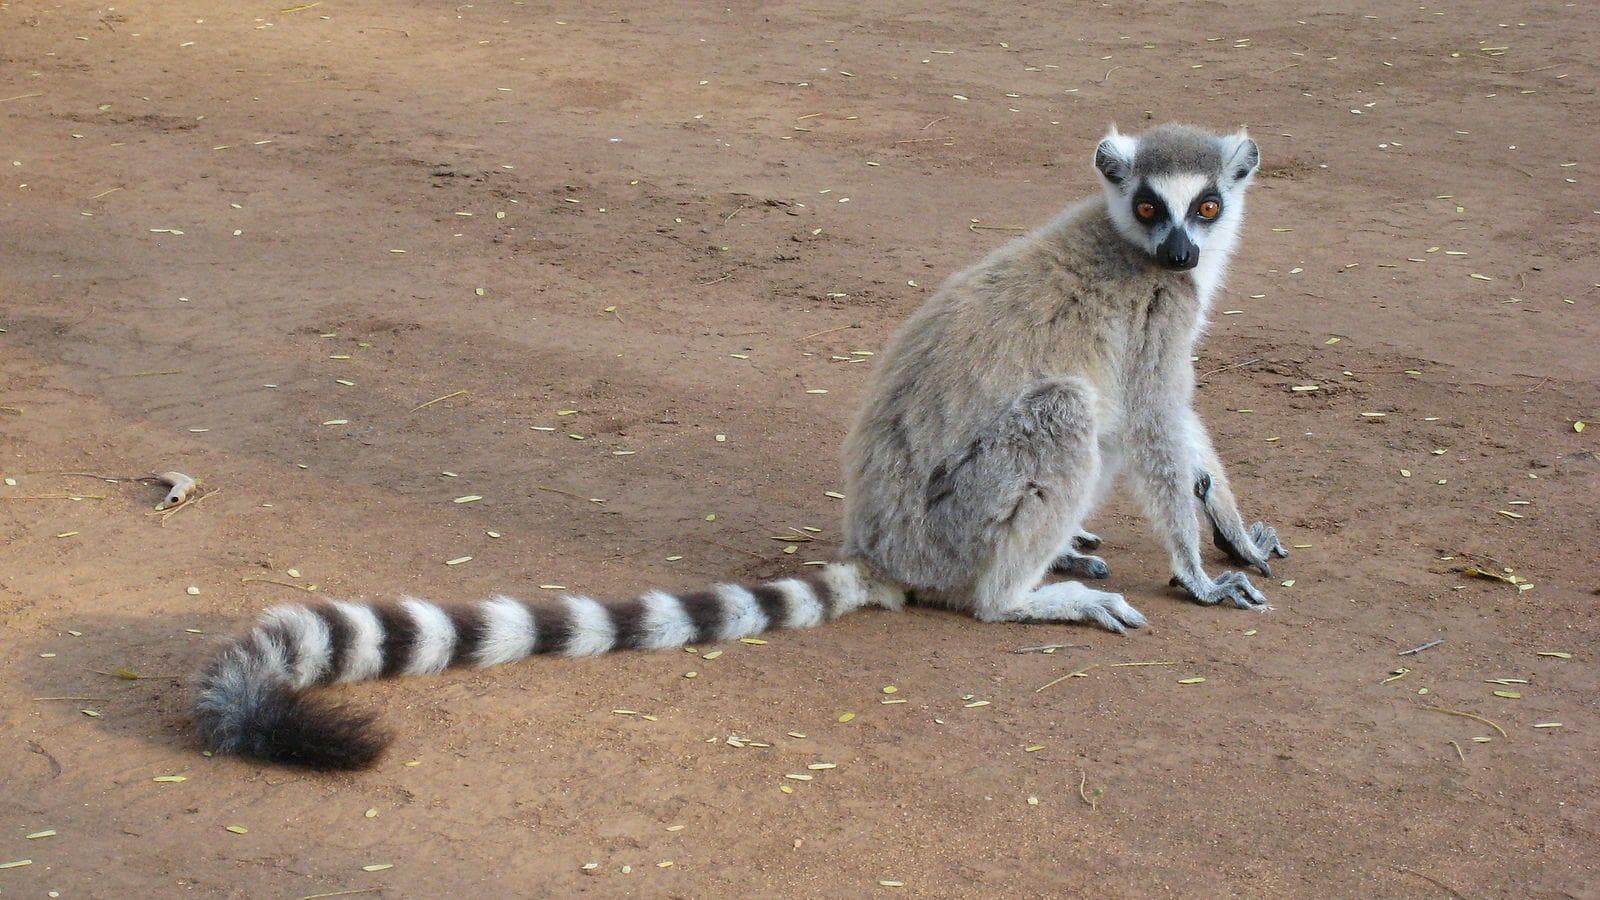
1173	191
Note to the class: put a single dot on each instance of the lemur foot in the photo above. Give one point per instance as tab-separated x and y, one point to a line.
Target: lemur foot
1258	545
1086	540
1069	601
1082	565
1233	587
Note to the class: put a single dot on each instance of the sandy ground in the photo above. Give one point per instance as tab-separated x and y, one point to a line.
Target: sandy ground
229	226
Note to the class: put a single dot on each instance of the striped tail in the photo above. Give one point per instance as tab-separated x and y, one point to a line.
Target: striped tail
250	697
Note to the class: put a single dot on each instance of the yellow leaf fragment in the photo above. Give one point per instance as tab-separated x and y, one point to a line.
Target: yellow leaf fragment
1195	680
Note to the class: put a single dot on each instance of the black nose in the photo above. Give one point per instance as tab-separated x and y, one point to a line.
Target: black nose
1177	252
1181	258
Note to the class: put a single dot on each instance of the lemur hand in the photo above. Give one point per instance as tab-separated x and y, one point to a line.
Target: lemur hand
1252	548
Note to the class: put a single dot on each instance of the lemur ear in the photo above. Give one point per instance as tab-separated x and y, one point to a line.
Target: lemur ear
1242	155
1113	158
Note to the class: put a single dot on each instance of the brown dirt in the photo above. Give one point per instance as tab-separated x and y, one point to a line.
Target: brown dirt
708	153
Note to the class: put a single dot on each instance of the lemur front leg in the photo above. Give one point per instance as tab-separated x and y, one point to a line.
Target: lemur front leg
1162	450
1250	546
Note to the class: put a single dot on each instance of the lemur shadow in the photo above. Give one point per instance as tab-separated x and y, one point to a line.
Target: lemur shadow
131	673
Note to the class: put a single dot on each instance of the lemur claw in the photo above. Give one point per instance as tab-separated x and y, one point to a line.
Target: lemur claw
1233	587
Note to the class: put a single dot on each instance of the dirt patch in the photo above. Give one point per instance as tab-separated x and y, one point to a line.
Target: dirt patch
226	226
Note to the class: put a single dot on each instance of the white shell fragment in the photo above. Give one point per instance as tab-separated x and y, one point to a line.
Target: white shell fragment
182	488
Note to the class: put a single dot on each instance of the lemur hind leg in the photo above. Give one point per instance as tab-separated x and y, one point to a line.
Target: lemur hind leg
1017	489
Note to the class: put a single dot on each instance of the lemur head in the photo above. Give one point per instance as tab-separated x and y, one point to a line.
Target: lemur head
1176	191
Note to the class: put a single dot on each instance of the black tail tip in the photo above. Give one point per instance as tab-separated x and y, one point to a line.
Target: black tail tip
292	729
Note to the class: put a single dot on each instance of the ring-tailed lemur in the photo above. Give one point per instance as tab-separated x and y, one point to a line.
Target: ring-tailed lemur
996	419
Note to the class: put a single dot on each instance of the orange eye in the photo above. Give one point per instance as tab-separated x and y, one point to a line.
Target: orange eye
1145	211
1210	209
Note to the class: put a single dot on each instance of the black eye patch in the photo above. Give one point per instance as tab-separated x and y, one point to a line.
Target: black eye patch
1144	195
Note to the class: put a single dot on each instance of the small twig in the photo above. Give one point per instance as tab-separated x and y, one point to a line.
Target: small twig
1083	781
366	890
933	123
1046	648
148	374
1420	648
21	97
1466	715
635	552
1108	73
551	490
715	281
826	331
974	226
436	400
1289	66
58	497
734	213
1237	365
1164	662
1542	382
288	584
1523	71
115	479
90	699
1458	750
1441	885
105	192
1080	673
